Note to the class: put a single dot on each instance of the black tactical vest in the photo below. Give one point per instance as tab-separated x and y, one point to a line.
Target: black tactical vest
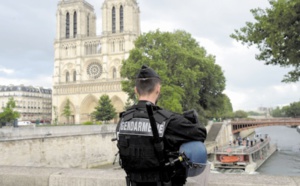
138	157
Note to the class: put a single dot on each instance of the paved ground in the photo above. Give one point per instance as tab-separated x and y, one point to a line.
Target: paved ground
29	176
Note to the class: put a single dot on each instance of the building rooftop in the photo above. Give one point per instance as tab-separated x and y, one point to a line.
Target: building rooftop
22	88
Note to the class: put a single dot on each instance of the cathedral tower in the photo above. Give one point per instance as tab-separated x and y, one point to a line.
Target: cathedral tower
114	21
75	18
86	66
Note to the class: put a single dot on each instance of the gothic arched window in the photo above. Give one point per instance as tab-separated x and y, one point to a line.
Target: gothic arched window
88	25
121	19
75	24
74	76
114	73
67	77
113	20
68	25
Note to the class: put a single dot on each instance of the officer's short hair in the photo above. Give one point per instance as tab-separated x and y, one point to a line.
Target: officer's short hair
146	86
146	80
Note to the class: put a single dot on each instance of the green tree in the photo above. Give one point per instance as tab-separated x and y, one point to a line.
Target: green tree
9	115
104	111
226	109
240	114
128	104
284	110
278	112
220	107
190	77
276	34
253	113
294	110
55	115
67	111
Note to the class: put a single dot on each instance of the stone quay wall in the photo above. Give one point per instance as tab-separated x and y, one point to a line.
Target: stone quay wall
31	176
31	131
65	147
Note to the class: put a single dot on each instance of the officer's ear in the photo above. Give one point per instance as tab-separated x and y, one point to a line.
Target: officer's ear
157	89
135	91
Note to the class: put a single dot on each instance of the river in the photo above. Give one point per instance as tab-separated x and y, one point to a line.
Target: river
285	161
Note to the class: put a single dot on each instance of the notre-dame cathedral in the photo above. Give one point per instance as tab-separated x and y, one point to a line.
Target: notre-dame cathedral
87	66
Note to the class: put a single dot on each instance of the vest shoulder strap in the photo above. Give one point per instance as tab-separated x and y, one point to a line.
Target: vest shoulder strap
127	115
162	115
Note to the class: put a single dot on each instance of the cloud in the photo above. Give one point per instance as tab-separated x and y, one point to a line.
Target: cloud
6	70
40	81
269	96
249	83
27	34
28	30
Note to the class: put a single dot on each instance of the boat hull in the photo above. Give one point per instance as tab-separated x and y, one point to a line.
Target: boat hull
242	157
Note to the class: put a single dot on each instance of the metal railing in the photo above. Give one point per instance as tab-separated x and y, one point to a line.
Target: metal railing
242	149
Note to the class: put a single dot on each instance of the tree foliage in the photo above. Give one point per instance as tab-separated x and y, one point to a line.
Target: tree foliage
104	111
221	107
128	104
227	110
67	111
278	112
253	113
240	114
276	34
55	120
190	77
292	110
9	115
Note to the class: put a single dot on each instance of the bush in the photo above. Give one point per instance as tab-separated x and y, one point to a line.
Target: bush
92	123
98	123
88	123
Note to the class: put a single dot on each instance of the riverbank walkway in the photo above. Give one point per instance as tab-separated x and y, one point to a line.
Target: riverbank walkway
32	176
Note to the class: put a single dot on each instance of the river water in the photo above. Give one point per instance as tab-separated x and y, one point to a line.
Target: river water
285	161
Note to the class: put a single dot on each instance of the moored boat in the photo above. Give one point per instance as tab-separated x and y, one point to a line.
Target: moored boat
248	158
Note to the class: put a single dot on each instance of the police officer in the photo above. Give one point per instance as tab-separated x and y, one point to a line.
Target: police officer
140	156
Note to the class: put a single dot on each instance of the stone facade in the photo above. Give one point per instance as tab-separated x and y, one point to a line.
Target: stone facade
88	66
33	103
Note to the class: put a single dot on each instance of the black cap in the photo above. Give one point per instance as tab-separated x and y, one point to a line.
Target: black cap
147	72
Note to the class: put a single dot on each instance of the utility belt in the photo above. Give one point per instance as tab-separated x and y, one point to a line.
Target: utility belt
142	178
147	178
162	176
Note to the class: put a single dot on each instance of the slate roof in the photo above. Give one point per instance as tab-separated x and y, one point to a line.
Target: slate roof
22	88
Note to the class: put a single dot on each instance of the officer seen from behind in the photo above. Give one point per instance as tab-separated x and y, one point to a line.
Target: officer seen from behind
147	161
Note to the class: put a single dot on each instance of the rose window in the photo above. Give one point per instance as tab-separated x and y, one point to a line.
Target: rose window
94	70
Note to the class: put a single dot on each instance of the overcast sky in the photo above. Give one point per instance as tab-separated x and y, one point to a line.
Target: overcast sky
27	32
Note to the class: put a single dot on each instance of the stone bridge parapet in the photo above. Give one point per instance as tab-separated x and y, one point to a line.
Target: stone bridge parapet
31	176
66	146
240	125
